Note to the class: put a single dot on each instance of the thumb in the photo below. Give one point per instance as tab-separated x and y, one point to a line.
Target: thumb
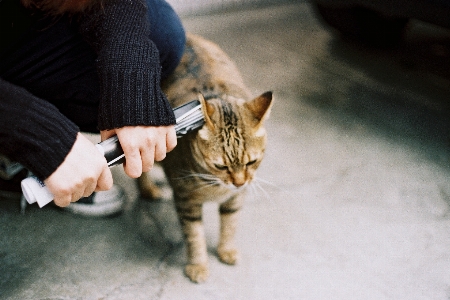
106	134
105	181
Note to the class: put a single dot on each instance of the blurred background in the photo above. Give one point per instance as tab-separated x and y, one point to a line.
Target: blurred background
352	199
199	7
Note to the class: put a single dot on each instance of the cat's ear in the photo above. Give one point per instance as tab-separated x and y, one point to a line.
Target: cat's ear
260	107
207	110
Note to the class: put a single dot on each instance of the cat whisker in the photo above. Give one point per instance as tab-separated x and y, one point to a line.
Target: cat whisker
265	182
195	175
207	184
256	188
206	180
208	177
261	188
251	196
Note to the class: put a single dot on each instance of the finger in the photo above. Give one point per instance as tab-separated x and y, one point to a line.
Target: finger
160	150
62	201
148	152
77	196
148	158
89	189
171	140
105	134
105	180
88	186
133	164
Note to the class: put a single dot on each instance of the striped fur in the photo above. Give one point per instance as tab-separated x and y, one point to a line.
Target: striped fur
217	162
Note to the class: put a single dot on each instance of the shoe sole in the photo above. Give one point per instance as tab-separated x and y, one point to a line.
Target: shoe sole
89	210
107	203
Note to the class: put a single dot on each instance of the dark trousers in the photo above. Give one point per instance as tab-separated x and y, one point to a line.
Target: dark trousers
49	58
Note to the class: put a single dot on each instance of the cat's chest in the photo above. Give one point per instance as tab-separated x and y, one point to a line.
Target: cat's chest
221	194
215	193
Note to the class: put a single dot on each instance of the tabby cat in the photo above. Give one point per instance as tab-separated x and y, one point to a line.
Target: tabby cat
217	162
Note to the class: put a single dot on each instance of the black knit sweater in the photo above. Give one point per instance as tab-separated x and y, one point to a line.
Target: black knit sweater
36	134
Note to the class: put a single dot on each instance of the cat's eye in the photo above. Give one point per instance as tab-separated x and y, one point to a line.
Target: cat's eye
220	167
252	162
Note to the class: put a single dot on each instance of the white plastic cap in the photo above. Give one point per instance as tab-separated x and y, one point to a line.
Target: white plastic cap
35	190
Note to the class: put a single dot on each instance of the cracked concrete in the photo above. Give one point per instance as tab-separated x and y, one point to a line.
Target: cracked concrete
352	200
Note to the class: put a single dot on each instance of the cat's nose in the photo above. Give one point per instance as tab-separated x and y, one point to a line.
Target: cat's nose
238	184
238	179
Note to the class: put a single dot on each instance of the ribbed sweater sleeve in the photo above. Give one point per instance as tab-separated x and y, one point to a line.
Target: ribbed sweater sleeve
33	131
128	65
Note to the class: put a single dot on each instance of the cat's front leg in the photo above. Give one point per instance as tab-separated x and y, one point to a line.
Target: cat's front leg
229	212
191	222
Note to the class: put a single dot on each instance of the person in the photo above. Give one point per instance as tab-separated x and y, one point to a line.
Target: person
72	66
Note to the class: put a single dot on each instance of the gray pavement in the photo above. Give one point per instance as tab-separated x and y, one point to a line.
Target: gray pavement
352	200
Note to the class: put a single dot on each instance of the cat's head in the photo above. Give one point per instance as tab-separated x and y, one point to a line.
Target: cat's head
232	142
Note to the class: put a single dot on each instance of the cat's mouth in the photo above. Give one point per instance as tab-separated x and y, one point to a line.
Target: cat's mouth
235	187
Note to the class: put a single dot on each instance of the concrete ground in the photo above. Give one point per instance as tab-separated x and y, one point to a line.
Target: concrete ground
353	197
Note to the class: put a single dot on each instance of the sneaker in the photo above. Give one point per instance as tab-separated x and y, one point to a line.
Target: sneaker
100	204
8	168
11	174
10	188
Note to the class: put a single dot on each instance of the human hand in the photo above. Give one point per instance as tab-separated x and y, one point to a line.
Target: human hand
143	145
83	171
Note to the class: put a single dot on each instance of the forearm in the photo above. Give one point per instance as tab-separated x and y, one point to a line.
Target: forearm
33	131
128	66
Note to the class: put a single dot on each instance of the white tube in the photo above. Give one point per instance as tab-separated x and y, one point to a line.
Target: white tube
35	190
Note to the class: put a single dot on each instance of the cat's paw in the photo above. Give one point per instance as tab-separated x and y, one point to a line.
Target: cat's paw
228	256
197	272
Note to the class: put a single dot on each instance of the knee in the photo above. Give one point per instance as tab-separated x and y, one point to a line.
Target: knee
174	49
167	33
